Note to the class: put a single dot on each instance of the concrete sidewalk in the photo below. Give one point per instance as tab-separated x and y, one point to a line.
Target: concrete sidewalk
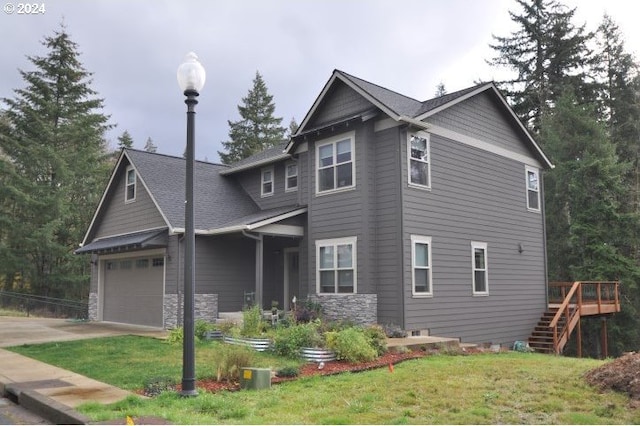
50	391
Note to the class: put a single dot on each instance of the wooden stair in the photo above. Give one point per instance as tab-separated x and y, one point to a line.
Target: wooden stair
568	302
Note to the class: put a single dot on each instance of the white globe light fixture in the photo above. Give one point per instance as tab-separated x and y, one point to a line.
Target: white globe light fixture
191	74
191	78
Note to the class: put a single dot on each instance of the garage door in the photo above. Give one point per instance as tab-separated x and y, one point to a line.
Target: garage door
133	290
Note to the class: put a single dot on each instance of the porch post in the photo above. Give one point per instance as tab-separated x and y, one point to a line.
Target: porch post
259	269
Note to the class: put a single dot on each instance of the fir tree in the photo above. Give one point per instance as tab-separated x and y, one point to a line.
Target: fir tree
441	90
258	129
149	146
54	163
293	127
125	140
548	53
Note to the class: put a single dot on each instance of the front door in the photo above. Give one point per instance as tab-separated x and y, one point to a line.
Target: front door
291	276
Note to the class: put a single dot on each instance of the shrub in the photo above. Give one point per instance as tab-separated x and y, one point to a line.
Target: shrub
202	327
229	359
176	335
252	323
351	344
289	340
394	331
289	371
377	338
308	311
157	385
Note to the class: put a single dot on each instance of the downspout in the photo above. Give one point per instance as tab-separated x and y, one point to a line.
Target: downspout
259	262
544	243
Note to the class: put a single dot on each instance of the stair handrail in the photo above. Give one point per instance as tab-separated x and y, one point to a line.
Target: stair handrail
563	310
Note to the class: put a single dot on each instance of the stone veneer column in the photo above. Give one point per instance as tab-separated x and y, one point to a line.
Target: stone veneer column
93	307
206	308
359	308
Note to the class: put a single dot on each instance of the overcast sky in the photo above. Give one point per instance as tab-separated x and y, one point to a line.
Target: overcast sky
133	49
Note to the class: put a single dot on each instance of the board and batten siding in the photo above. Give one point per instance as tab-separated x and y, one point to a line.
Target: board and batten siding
251	182
475	196
122	218
388	225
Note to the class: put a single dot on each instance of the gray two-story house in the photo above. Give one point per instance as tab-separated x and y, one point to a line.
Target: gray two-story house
426	215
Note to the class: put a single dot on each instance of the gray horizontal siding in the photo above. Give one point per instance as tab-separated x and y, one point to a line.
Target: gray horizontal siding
481	117
118	217
339	103
251	182
475	196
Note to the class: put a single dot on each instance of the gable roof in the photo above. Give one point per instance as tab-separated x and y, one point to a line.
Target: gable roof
402	108
269	155
218	200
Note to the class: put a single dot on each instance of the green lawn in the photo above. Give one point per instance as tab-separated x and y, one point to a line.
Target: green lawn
511	388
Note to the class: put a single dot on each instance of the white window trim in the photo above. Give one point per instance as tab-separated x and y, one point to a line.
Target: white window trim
418	239
474	246
427	136
288	188
262	182
333	140
527	170
336	242
127	184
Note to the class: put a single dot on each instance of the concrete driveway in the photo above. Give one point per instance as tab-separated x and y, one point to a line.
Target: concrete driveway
15	331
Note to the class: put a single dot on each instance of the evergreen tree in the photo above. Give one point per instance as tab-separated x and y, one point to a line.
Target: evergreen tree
149	146
441	90
53	168
293	127
548	53
587	226
258	129
125	140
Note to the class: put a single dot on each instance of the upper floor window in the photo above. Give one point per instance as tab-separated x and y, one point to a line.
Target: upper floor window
533	189
421	266
480	268
335	163
336	265
266	188
130	185
291	177
418	146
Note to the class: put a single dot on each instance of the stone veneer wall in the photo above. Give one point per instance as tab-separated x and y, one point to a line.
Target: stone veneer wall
206	308
93	306
359	308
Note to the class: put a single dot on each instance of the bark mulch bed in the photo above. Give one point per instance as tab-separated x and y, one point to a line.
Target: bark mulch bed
622	375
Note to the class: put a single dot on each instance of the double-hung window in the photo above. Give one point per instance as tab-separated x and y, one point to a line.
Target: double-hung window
533	189
335	163
130	185
421	276
266	188
480	268
336	265
291	177
418	147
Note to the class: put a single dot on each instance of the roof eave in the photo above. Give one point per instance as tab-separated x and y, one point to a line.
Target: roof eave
263	162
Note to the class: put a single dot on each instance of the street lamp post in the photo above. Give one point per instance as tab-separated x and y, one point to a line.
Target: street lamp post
191	77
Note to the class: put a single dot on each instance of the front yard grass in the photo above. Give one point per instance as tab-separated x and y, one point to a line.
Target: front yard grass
511	388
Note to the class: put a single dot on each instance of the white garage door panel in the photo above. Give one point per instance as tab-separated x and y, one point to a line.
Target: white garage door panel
133	290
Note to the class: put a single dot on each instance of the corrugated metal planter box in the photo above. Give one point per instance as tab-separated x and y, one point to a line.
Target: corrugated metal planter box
317	354
259	345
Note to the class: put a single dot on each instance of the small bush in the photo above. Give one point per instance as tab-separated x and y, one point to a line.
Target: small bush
308	311
377	338
288	372
252	323
229	359
157	385
175	336
202	327
351	344
288	340
394	331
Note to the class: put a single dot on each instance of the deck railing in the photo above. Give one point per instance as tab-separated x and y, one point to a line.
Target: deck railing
576	299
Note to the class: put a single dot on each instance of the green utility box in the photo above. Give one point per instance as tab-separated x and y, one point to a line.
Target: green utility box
255	378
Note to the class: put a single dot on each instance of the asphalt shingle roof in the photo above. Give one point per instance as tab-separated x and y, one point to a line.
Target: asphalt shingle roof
262	157
218	199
